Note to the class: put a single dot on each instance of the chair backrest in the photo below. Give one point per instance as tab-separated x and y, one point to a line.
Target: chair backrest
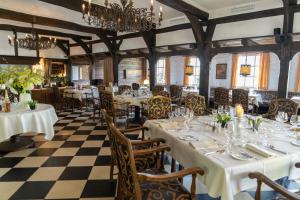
123	88
101	87
175	91
157	89
128	184
106	99
159	107
196	103
221	96
240	96
135	86
163	93
282	105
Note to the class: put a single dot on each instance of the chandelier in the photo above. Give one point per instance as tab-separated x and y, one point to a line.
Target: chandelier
33	42
121	18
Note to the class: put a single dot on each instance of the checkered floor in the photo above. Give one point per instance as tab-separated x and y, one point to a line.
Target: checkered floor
74	165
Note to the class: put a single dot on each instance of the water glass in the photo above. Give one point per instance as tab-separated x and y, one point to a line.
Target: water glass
294	120
282	117
220	109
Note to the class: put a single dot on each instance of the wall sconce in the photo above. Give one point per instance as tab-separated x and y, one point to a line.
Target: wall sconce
189	70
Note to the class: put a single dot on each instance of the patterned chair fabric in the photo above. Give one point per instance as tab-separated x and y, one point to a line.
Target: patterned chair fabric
221	97
196	103
128	185
159	107
240	96
123	88
282	105
107	102
135	86
175	91
157	89
164	94
101	87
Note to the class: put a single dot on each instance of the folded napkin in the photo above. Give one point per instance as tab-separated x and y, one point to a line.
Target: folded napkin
169	125
259	150
295	128
204	144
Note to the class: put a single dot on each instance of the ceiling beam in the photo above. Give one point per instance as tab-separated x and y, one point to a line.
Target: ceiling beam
248	42
20	29
45	21
184	7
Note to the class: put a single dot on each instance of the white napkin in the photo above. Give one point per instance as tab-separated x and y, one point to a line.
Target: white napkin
204	144
259	150
169	125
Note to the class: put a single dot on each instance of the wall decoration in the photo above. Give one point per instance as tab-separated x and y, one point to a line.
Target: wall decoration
221	71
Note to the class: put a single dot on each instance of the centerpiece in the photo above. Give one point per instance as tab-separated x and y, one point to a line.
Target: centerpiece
223	119
20	81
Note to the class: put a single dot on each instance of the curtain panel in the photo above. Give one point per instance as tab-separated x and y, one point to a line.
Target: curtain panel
186	78
297	80
235	60
264	71
167	70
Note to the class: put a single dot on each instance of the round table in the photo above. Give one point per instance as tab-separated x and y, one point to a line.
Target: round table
22	120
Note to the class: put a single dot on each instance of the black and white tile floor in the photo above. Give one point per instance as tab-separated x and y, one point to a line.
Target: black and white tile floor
73	165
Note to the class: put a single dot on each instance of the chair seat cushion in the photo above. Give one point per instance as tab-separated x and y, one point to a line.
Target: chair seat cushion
168	190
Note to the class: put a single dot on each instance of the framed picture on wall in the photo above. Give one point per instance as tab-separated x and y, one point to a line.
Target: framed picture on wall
221	71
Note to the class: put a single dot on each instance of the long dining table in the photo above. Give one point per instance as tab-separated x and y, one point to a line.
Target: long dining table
200	144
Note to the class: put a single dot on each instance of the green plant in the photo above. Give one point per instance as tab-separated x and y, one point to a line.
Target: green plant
255	122
20	79
223	119
32	104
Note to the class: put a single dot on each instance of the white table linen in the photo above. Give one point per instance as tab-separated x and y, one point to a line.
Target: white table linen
297	100
134	101
81	94
224	176
19	121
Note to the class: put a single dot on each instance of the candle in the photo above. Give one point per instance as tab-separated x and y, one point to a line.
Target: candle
239	111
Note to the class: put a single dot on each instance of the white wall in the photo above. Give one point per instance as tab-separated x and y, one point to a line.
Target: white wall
293	72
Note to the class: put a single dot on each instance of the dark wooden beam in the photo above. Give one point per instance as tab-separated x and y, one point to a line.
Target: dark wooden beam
64	46
248	42
184	7
20	29
4	59
16	44
197	29
27	18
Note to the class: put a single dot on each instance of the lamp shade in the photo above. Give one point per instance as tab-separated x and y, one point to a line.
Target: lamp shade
146	82
189	70
245	70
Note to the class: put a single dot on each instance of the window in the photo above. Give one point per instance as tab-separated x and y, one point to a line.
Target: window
161	71
80	72
195	78
250	81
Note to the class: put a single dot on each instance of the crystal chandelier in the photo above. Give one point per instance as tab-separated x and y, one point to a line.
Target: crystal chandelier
33	42
121	18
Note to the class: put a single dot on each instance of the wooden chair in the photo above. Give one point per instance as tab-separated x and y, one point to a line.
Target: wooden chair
58	98
284	193
197	104
157	89
135	86
159	107
123	88
283	105
144	186
163	93
151	161
113	108
240	96
221	97
101	87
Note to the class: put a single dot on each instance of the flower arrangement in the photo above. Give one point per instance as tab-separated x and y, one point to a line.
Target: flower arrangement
255	123
32	104
20	79
223	119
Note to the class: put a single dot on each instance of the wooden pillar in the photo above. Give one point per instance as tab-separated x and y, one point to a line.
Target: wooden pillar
152	59
16	43
204	57
69	71
116	62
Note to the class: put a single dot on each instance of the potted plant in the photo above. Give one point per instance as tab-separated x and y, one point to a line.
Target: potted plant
20	80
223	119
255	123
32	104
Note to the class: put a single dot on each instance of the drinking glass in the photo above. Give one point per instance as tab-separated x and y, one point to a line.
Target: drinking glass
220	109
282	117
229	136
294	120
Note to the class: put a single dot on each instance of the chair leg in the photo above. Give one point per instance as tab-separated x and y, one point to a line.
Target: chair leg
111	173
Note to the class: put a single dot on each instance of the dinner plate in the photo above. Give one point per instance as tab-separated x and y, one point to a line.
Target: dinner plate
296	143
241	156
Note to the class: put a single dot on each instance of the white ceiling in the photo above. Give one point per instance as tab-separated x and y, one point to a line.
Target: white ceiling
217	4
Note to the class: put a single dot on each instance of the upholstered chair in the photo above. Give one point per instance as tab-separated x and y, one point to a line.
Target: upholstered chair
196	103
146	186
101	87
240	96
151	161
113	109
157	89
123	88
135	86
163	93
284	194
221	97
176	94
159	107
281	105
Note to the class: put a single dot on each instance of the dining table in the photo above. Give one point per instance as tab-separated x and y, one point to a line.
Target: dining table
200	142
22	120
81	94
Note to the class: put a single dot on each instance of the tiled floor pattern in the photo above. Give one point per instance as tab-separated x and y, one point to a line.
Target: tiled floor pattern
74	165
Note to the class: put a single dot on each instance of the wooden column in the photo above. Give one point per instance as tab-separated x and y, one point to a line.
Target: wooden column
16	43
116	61
286	44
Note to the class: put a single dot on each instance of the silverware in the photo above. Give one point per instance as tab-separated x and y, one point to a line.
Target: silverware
220	151
275	149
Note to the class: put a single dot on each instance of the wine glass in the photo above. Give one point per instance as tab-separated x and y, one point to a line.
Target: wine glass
294	120
220	109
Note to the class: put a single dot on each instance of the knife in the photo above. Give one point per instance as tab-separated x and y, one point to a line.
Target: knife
276	149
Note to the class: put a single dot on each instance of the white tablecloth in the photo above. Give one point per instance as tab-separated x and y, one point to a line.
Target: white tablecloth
81	94
224	176
134	101
18	121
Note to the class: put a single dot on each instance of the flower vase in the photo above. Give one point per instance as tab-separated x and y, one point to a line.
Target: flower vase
23	100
